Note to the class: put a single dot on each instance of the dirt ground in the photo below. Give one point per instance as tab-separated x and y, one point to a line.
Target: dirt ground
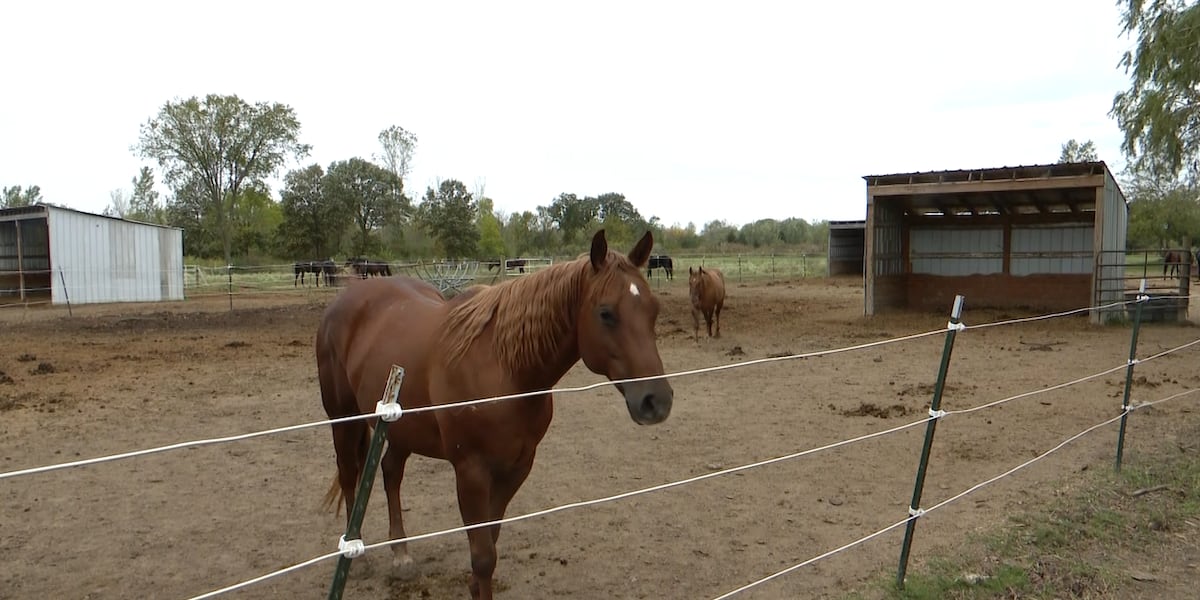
112	379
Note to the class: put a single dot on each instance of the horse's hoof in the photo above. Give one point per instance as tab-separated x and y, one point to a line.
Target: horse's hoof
403	567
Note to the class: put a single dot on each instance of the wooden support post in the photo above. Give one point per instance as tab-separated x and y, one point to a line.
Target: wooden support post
20	262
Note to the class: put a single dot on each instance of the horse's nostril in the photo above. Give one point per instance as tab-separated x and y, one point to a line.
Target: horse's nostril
648	403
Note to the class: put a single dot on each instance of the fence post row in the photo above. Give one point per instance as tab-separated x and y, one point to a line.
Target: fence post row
351	546
1142	298
935	411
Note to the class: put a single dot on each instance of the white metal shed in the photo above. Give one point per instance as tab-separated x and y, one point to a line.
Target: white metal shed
56	254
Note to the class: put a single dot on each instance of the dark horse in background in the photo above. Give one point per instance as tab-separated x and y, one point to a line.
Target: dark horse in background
521	335
366	268
663	262
1173	262
515	263
326	267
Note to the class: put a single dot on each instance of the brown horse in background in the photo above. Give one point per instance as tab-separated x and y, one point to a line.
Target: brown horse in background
520	335
1173	260
706	286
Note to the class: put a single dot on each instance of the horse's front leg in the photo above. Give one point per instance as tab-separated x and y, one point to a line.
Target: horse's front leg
696	323
474	482
393	474
504	488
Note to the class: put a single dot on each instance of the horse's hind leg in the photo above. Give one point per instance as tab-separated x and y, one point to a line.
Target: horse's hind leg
393	474
717	318
350	442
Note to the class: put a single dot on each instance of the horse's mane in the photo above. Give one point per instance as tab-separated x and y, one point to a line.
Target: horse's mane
529	314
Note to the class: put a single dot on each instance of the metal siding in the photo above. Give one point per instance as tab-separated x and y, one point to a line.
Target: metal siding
109	260
1113	237
887	248
8	245
170	263
956	252
1070	249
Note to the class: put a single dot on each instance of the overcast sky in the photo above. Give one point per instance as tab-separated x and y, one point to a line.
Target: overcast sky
693	110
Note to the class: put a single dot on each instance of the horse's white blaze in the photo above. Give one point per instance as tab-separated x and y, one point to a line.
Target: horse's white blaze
633	289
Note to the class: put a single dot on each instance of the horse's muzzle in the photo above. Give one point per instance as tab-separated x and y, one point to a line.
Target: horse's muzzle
649	402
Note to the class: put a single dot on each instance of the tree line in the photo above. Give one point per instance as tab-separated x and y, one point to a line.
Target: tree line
217	153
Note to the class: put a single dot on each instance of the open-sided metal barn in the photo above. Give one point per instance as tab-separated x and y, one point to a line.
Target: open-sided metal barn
847	246
1042	237
60	255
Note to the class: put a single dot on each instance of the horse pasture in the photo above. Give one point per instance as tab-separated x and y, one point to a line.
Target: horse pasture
177	524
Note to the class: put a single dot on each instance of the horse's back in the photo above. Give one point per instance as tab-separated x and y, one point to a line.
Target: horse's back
713	292
374	324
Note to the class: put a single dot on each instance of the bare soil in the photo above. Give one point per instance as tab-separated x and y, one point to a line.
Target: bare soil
117	378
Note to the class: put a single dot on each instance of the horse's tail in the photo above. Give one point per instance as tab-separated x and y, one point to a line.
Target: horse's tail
334	497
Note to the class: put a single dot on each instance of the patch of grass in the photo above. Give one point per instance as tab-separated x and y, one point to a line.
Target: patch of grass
1076	547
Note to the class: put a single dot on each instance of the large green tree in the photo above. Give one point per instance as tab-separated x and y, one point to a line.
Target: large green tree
573	215
448	215
367	191
219	145
312	221
16	196
1073	151
143	200
255	220
1159	113
399	145
491	235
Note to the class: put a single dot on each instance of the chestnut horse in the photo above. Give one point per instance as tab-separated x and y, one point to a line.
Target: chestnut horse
520	335
707	290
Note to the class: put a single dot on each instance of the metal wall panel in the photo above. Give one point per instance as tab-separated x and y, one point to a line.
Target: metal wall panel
956	252
101	259
887	246
8	245
1052	249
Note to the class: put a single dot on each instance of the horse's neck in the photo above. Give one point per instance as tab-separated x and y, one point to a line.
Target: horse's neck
550	358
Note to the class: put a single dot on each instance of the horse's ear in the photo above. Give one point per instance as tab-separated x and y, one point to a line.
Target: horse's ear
599	250
691	271
640	255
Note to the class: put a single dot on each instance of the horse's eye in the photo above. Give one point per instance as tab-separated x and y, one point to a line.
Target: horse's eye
607	316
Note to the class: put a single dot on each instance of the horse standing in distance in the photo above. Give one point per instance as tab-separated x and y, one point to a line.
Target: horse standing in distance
661	261
1173	261
326	267
364	267
515	263
521	335
706	286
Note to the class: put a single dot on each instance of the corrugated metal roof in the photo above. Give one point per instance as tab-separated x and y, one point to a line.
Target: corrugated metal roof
12	214
1041	171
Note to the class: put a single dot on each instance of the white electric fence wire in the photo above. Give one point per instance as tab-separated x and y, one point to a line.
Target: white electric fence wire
565	390
1051	315
954	498
708	476
1072	382
579	504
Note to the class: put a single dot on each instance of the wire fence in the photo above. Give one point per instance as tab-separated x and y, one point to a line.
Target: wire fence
350	548
37	288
